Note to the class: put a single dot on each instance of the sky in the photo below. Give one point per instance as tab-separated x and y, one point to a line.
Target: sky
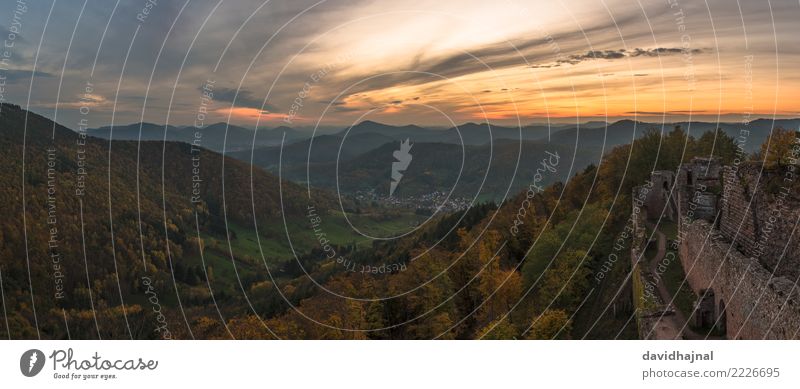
302	63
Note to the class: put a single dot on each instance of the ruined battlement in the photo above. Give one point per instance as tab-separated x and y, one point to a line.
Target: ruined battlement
737	243
698	189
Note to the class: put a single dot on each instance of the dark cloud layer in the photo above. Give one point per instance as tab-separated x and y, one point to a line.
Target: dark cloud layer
622	53
16	75
244	98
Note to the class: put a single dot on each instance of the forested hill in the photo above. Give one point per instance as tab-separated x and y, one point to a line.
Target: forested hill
85	220
133	257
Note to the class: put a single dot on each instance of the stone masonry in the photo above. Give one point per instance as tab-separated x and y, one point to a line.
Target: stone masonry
737	243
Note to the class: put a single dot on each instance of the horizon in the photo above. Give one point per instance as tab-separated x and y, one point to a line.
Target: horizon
560	122
437	126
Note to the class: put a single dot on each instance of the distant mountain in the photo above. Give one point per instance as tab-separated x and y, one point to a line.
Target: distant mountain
625	131
395	132
753	134
468	133
563	126
621	132
366	135
594	124
488	172
364	152
320	149
217	137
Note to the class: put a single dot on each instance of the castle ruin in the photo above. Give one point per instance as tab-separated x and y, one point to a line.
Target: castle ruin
737	244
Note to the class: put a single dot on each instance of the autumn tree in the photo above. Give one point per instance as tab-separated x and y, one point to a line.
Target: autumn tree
551	324
777	150
565	283
491	277
463	274
428	311
717	144
499	329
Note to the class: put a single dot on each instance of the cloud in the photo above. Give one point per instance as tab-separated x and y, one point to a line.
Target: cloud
16	75
661	51
534	52
4	31
662	113
344	108
544	66
622	53
244	98
494	57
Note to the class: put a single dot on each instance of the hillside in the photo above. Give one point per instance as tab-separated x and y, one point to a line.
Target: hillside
95	227
485	172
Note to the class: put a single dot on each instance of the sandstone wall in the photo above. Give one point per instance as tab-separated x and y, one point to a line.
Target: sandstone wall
738	244
759	211
753	303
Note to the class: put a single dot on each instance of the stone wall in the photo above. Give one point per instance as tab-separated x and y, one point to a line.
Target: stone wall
760	208
749	302
738	246
699	186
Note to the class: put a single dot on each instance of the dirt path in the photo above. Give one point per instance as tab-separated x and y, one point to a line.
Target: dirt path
673	326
